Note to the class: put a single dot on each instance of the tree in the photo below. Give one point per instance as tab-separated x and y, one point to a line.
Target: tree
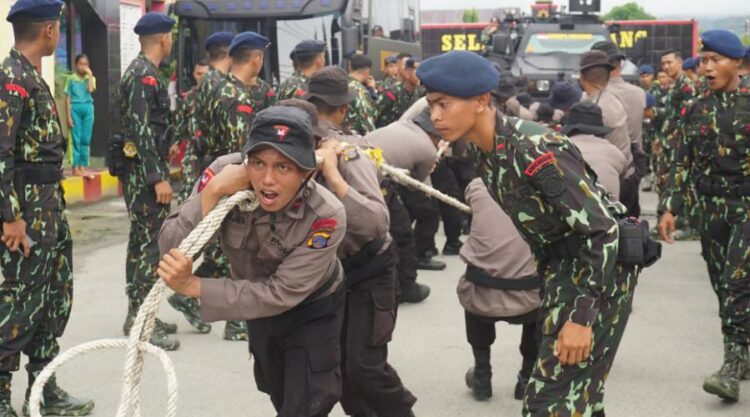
628	11
470	16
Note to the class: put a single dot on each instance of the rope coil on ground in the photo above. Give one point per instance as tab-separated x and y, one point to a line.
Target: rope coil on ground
143	326
144	323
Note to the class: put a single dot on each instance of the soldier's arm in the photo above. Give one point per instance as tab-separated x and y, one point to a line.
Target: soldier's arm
299	275
13	97
562	180
676	187
364	203
232	117
144	92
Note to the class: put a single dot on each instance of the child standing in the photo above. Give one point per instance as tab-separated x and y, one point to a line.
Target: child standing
80	105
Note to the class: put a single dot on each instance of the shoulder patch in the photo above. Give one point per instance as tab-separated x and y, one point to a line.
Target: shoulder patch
390	95
17	89
300	92
244	108
550	182
539	163
149	80
328	225
205	179
318	240
351	153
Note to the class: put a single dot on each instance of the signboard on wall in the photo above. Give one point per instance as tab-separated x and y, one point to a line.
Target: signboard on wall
129	45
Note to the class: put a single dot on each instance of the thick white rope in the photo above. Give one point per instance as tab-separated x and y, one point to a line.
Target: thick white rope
402	177
143	325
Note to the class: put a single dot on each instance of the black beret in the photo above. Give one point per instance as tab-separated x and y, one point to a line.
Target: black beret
36	10
458	74
153	23
722	42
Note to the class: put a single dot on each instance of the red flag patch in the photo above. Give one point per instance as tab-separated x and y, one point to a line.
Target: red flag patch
539	163
271	93
390	96
324	224
18	89
300	92
149	80
244	108
205	178
281	131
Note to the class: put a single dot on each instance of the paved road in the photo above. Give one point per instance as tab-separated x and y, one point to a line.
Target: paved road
673	341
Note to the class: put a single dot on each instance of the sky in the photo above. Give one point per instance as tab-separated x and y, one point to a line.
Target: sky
660	8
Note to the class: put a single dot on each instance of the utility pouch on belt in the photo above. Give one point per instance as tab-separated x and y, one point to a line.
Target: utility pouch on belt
636	247
115	157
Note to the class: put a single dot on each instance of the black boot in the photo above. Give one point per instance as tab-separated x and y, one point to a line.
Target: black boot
191	310
479	377
55	401
452	247
235	330
599	413
429	264
523	380
415	293
6	409
168	328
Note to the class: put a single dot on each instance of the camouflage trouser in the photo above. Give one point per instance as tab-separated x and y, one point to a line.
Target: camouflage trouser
622	302
37	292
146	217
725	243
661	157
555	390
214	263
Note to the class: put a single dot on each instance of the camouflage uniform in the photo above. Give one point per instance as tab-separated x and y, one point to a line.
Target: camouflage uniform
679	96
37	291
541	180
197	125
231	108
359	118
393	102
714	157
184	116
144	113
293	87
386	84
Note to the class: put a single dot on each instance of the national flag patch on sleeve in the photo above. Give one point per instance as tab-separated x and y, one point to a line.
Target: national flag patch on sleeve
244	108
149	80
205	179
17	89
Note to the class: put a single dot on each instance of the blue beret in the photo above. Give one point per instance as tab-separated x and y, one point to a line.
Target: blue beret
218	38
308	47
646	69
747	55
37	10
248	40
690	64
391	59
650	101
722	42
458	74
153	23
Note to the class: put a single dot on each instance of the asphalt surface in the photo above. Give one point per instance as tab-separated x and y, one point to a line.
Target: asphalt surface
672	342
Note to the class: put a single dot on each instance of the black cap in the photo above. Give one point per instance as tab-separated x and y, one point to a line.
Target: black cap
563	95
311	111
591	59
585	117
331	85
287	130
609	48
506	88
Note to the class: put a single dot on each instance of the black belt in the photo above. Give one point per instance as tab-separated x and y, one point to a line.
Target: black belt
714	187
479	277
364	255
325	287
38	174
